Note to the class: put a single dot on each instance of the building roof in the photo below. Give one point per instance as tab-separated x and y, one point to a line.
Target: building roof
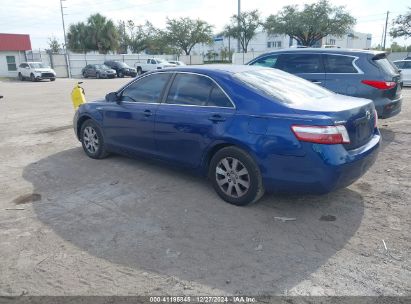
15	42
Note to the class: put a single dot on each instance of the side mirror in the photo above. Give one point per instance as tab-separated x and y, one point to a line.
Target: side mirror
111	97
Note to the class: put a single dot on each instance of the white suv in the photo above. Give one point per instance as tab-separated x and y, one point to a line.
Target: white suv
35	71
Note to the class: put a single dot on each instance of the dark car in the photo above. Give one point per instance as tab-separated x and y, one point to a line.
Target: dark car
98	71
358	73
244	127
122	69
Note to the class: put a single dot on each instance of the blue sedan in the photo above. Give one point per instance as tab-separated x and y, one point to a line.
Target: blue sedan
249	129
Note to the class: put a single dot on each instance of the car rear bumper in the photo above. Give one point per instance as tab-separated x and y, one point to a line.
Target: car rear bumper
324	168
388	108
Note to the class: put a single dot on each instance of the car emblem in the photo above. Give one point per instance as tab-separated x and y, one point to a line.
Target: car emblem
368	115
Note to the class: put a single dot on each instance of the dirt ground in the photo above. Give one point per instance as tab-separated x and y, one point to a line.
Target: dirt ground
70	225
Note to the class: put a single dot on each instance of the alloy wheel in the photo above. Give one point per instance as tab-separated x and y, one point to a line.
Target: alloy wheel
232	177
90	139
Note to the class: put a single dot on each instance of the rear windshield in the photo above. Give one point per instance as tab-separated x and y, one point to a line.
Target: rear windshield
385	65
282	86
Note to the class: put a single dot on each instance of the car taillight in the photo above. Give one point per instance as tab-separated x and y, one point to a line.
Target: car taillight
322	134
381	85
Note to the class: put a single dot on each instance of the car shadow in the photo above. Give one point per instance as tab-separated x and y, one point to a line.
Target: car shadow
143	215
388	136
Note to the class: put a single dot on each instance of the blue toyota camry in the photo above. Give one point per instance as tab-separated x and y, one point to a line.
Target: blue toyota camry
249	129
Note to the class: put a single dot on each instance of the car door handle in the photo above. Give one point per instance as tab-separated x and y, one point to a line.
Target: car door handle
147	113
216	118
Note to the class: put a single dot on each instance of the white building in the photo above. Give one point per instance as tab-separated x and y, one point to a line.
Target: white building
263	42
12	53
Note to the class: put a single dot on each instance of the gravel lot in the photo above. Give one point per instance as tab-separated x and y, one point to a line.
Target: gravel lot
70	225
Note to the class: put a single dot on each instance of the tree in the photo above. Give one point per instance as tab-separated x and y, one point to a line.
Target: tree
312	23
124	39
102	33
77	38
54	45
402	26
244	27
184	33
98	34
140	35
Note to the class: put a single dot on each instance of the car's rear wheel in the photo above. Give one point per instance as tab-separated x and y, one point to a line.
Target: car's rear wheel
98	75
52	79
21	78
92	140
236	177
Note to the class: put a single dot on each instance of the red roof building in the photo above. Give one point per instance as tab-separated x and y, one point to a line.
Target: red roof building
15	42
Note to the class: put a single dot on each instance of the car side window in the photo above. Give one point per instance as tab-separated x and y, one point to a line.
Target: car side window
147	89
218	98
339	64
268	62
196	90
300	63
407	65
400	64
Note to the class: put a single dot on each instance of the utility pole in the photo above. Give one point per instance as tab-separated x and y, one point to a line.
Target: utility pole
239	26
65	39
385	32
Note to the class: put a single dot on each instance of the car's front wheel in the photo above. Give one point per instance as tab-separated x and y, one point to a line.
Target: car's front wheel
32	77
92	140
236	177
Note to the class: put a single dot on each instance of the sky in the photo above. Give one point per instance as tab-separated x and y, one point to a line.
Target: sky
42	18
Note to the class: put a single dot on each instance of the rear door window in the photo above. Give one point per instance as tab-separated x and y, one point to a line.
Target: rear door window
301	63
385	65
336	64
196	90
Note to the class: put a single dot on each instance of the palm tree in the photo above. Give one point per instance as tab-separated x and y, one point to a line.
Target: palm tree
102	34
77	40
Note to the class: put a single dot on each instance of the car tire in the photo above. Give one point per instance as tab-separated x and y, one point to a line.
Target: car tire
32	77
120	74
21	78
85	75
92	140
98	75
235	176
52	79
139	71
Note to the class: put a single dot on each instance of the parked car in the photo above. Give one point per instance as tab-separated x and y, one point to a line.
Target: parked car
249	129
152	64
358	73
98	71
122	69
176	62
404	66
35	71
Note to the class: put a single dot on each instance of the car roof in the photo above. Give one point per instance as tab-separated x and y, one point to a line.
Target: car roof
402	60
324	50
215	68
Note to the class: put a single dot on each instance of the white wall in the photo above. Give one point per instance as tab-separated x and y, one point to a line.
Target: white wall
4	72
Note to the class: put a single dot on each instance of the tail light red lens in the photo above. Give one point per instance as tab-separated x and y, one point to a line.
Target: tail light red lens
330	135
380	85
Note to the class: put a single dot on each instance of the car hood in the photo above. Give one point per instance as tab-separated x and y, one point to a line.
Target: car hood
44	70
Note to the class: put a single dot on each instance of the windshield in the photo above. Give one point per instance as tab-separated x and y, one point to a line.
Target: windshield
122	65
37	65
102	66
282	86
